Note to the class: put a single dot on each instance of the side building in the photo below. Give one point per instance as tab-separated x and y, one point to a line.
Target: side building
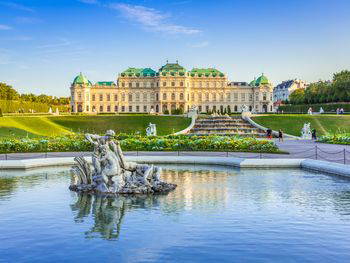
171	87
282	91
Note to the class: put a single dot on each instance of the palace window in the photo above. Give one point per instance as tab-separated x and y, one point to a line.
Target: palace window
152	85
101	108
109	108
123	108
130	108
221	96
137	108
235	96
235	108
157	96
200	84
116	108
257	96
93	108
264	96
181	84
200	96
192	96
164	84
243	96
228	96
130	97
207	84
108	97
130	85
93	97
144	108
172	96
181	96
164	96
173	84
115	97
207	108
250	97
137	85
200	108
214	108
207	96
137	96
123	96
214	96
79	96
101	97
144	96
87	107
123	84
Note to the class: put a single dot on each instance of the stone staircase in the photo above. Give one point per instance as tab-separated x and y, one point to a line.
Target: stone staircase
225	125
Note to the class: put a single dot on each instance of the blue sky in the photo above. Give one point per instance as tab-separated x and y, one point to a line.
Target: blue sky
45	43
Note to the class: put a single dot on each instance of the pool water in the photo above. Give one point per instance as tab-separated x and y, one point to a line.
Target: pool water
215	215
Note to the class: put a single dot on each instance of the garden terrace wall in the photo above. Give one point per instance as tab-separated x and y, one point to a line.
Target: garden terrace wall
327	107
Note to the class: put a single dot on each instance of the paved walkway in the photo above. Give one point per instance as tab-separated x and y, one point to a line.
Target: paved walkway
301	149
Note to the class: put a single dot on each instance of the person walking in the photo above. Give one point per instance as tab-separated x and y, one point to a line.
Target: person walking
269	133
280	135
313	134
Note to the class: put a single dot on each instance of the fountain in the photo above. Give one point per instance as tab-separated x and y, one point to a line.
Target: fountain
112	174
306	132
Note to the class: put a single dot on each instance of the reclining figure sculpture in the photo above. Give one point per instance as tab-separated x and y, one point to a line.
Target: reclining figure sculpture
112	174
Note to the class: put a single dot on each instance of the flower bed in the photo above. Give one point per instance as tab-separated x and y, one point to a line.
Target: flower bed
341	138
73	143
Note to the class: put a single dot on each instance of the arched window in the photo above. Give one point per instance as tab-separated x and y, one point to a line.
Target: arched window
181	96
172	96
164	96
236	108
130	97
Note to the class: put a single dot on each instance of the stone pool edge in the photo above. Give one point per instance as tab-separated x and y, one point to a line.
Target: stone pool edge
314	165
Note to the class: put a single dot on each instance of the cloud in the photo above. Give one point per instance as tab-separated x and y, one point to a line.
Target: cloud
200	44
17	6
61	43
152	19
91	2
27	20
5	27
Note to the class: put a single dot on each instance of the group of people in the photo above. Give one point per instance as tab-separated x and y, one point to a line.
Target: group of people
340	111
280	134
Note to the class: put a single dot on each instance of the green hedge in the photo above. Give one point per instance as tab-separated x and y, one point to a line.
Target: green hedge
142	143
327	107
12	106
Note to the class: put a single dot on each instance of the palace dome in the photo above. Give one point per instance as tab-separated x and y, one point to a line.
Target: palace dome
262	80
81	80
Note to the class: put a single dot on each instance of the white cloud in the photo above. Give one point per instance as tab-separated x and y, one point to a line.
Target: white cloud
17	6
200	44
91	2
152	19
61	43
5	27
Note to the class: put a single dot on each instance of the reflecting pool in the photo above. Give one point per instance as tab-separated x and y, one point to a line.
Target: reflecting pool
215	214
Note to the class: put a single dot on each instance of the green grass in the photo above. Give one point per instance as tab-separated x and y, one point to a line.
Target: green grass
292	123
40	126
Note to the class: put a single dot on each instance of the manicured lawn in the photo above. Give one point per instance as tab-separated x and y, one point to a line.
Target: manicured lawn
50	126
292	124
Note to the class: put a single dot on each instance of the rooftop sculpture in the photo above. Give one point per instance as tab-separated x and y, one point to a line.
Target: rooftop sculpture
112	174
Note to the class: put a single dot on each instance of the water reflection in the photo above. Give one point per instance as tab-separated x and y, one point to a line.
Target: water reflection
107	212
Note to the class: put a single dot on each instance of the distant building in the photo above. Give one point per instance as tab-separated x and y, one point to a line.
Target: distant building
171	87
282	91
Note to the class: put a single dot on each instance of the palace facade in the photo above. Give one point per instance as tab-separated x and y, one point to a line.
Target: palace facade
171	87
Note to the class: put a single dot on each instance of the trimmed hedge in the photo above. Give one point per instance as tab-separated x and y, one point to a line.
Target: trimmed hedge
142	143
11	106
327	107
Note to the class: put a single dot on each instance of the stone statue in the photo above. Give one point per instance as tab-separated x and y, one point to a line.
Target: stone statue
50	110
306	132
151	112
112	174
151	130
244	108
321	110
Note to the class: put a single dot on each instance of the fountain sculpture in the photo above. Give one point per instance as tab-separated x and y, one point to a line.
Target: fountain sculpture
112	174
151	130
306	132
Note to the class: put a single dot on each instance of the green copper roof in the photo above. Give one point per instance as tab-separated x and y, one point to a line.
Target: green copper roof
262	80
105	83
253	82
81	79
206	72
139	72
172	68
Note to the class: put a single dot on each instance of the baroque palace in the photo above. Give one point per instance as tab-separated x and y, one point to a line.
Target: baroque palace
171	87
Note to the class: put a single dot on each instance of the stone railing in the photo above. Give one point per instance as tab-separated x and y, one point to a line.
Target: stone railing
247	117
193	116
